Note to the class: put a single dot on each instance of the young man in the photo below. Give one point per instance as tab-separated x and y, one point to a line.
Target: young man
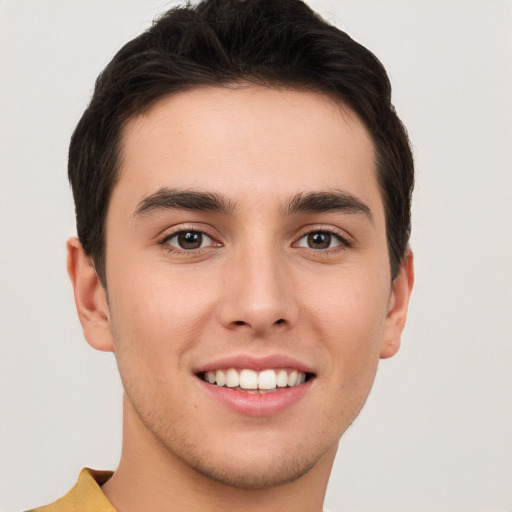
242	188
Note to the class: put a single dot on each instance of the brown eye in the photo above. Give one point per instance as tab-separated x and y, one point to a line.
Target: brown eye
321	240
189	240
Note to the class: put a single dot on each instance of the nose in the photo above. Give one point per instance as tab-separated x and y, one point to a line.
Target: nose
258	293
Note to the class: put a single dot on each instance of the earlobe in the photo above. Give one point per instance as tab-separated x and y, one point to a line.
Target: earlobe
397	308
90	298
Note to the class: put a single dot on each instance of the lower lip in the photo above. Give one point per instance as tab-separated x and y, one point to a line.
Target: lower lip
257	404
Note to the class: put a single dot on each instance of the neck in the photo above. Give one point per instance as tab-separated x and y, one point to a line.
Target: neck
149	477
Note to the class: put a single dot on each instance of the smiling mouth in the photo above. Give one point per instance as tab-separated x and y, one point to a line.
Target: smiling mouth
251	381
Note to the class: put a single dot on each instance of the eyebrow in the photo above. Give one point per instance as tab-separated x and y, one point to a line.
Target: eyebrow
311	202
336	201
166	198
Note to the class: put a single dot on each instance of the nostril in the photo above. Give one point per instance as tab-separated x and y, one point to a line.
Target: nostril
239	323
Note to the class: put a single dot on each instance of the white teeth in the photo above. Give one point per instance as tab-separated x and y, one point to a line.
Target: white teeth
250	379
220	378
282	379
267	379
232	378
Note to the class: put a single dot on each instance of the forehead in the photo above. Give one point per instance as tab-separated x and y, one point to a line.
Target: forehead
270	143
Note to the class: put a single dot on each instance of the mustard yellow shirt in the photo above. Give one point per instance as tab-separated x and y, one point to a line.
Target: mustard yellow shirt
86	495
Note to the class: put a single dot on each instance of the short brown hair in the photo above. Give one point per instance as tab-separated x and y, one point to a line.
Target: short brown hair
278	43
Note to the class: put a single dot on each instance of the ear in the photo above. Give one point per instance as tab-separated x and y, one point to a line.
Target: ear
90	298
397	307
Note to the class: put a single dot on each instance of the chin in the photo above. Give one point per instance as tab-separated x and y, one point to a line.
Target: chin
261	459
266	471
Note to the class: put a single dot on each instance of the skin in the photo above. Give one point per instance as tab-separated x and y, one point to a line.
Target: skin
256	287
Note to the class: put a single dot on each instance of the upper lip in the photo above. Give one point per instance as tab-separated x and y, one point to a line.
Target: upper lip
252	362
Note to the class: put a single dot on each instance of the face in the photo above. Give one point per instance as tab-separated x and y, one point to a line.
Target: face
249	289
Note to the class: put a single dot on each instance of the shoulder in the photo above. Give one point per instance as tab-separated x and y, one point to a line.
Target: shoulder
85	496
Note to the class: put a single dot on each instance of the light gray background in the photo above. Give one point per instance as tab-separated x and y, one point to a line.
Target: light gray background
436	434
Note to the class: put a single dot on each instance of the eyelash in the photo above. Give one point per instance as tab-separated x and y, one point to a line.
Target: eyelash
164	241
344	242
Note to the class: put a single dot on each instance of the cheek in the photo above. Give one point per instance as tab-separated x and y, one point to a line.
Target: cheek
348	321
145	312
157	317
350	317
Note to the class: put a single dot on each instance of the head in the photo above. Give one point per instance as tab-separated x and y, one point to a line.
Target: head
242	187
280	44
